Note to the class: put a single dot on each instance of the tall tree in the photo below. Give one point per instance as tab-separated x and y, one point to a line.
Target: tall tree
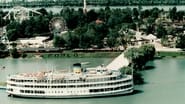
173	15
161	31
140	56
135	13
180	42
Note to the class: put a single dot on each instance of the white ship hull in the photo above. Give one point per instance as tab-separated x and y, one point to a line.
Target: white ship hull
75	96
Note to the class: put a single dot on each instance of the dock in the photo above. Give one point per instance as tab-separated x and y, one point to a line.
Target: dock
2	87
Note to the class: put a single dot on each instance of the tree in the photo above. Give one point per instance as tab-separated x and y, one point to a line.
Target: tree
135	13
145	14
14	52
155	13
180	42
12	30
161	31
86	39
140	56
59	41
81	18
149	51
2	46
3	51
173	15
137	76
135	57
138	79
43	11
164	41
101	32
112	38
180	15
3	22
91	16
72	40
11	34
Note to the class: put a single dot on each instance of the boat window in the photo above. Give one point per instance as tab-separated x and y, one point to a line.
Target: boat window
22	91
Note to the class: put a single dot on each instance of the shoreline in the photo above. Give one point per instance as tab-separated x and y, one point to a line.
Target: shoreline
173	54
94	54
70	54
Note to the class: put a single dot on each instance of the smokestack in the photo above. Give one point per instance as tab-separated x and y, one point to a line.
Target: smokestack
85	7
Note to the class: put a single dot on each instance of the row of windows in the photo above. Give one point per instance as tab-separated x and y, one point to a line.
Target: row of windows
31	91
68	81
15	80
74	86
42	92
10	89
110	89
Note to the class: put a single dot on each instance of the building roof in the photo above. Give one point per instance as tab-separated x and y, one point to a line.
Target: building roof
151	37
35	40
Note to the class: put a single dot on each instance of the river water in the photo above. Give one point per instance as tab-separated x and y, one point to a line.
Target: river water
57	9
165	84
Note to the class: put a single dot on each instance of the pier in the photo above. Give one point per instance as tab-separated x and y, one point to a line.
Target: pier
2	87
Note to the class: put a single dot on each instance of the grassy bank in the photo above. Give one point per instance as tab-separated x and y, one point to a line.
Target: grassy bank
70	54
2	83
170	54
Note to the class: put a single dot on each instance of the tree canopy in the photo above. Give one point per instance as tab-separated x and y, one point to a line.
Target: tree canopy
140	56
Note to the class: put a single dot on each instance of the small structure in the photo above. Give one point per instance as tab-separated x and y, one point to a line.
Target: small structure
20	13
85	7
99	21
35	42
150	37
141	38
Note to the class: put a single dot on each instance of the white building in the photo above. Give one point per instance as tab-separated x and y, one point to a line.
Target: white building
35	42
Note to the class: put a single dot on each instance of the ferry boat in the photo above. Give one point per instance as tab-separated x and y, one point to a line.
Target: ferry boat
80	82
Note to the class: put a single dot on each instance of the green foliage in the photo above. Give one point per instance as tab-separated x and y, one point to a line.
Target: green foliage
173	14
43	11
86	39
71	16
145	13
148	51
180	15
112	38
140	56
4	54
28	28
155	13
3	51
161	31
138	79
180	43
2	46
3	22
12	30
91	16
85	31
137	76
24	55
126	70
59	41
72	40
14	53
94	28
135	13
164	41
